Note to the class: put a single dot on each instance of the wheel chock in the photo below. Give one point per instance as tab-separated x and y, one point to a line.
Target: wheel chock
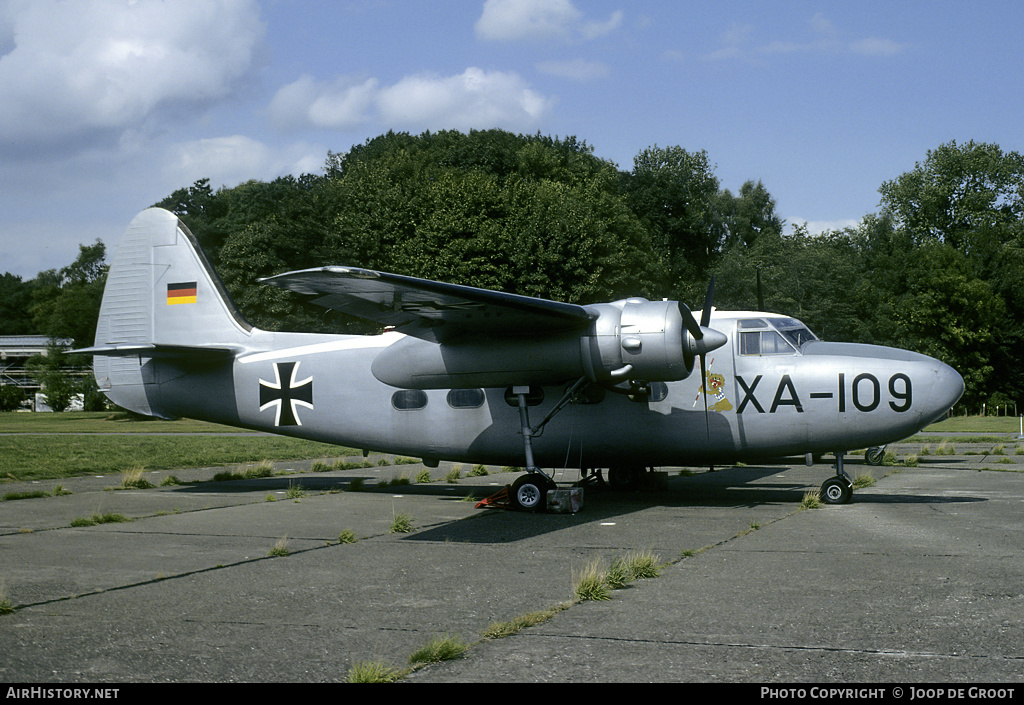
500	499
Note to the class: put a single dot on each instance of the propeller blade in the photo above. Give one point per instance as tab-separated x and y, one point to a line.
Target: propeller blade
709	299
704	382
704	340
690	322
714	340
697	328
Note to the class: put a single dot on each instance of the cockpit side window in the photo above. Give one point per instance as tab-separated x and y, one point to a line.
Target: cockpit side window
772	336
757	337
765	342
750	343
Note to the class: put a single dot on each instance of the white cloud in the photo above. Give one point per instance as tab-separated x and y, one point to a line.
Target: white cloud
576	69
742	42
874	46
594	30
340	104
822	26
229	161
473	99
734	42
505	20
78	69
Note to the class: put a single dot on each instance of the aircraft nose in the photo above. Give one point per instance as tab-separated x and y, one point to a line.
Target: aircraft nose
946	389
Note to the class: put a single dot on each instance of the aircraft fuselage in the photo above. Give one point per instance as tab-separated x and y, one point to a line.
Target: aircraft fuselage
822	397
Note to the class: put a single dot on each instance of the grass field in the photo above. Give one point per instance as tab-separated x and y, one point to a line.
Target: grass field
81	448
977	424
104	422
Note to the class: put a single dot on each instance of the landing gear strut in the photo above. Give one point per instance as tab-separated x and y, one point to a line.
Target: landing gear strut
838	489
530	491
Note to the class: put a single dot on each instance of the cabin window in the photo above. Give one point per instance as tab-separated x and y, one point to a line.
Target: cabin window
466	398
409	399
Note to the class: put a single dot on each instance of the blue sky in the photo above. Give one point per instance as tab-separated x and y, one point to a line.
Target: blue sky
108	106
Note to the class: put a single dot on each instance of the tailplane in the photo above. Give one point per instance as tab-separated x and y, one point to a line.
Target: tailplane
162	301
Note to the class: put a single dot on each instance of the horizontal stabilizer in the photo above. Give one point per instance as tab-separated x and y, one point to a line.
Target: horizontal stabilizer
181	352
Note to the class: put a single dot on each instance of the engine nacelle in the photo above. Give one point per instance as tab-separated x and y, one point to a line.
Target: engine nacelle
638	339
632	339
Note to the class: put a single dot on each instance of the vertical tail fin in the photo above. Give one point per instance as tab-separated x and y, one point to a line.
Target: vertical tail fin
161	290
162	300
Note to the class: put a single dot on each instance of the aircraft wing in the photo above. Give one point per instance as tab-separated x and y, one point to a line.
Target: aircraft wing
431	310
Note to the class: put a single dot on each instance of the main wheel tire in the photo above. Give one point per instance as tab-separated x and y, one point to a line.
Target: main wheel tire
530	492
624	477
874	455
836	490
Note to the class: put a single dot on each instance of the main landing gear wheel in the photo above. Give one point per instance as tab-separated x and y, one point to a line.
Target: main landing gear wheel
836	490
624	477
874	455
530	492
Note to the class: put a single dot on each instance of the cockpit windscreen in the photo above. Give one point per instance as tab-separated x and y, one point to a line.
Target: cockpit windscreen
794	331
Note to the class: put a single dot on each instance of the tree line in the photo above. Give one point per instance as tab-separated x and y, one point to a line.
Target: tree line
937	269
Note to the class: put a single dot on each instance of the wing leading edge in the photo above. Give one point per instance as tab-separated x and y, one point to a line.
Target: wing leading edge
431	310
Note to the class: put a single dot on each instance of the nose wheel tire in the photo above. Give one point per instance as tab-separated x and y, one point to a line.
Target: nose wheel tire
836	490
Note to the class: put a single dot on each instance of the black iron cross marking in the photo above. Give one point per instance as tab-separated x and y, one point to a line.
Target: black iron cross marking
285	393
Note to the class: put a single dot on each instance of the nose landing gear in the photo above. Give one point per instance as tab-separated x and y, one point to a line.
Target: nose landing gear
838	489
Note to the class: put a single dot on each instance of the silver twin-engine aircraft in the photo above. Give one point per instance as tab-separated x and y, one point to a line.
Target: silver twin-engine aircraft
479	376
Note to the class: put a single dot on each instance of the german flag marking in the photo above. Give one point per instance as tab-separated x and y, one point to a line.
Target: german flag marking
181	293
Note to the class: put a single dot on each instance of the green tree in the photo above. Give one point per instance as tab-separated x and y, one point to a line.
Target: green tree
806	276
11	397
674	193
15	302
968	198
943	310
216	216
53	373
745	216
66	304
